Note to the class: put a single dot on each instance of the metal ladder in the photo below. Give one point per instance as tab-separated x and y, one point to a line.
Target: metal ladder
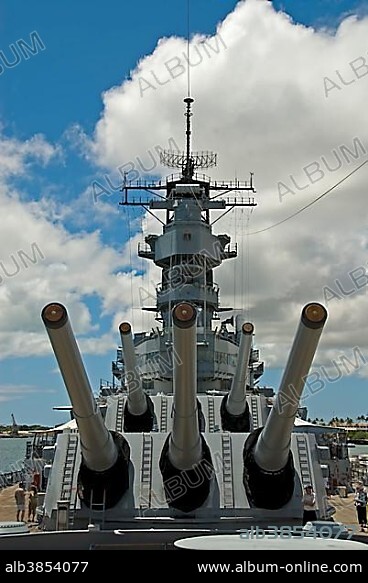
97	507
305	471
227	474
146	472
163	415
211	414
254	412
67	481
119	415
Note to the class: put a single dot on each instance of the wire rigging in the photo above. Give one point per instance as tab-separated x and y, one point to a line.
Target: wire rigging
131	267
143	272
310	203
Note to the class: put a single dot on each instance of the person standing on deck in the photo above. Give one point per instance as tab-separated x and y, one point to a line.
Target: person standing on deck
309	505
360	501
32	503
20	500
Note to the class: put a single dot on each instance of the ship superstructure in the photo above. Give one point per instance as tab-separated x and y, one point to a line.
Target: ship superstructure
185	437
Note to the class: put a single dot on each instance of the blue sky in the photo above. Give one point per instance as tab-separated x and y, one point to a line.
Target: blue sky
66	122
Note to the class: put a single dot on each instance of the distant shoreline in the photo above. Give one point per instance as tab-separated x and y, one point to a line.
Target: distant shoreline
5	436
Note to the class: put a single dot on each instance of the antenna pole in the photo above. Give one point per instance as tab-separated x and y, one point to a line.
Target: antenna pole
188	114
188	171
188	44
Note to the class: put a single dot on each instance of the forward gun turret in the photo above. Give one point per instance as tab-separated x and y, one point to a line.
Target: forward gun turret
103	474
268	461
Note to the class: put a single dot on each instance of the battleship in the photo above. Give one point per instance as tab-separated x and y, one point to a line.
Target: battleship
184	441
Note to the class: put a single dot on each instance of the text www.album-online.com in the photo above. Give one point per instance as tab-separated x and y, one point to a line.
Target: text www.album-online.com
302	567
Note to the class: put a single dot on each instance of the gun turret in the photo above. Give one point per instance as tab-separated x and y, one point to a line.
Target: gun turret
185	461
103	473
138	412
235	414
268	462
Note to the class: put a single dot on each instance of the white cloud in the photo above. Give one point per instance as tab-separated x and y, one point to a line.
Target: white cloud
264	103
11	392
41	262
261	104
72	268
16	156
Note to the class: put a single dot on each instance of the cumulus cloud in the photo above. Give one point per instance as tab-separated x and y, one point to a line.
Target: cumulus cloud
10	392
277	98
43	262
287	102
17	156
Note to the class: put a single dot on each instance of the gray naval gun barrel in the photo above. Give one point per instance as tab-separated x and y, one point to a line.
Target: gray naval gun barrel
268	462
103	473
139	410
185	461
235	415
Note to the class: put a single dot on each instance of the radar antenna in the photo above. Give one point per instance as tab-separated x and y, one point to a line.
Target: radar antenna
188	161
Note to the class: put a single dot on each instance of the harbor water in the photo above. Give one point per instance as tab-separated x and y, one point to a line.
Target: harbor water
358	450
12	453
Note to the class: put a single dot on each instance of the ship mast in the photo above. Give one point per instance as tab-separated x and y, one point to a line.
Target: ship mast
189	166
187	251
176	251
